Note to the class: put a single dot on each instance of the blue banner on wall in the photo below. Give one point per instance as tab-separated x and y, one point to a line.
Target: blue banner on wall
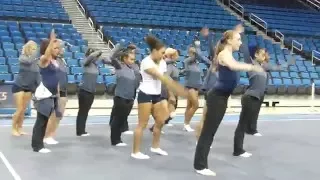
7	105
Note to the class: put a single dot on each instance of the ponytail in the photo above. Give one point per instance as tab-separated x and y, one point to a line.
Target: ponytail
221	44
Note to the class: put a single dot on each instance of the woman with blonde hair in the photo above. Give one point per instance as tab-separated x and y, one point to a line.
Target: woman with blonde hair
25	84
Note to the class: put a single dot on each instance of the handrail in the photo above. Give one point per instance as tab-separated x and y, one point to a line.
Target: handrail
313	57
91	23
110	43
315	3
100	33
84	11
237	7
279	35
295	47
261	25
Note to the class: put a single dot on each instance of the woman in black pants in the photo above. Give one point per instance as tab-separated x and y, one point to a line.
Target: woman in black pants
131	48
252	99
47	93
217	98
87	88
125	93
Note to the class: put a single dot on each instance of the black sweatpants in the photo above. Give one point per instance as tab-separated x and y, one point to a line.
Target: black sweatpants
39	131
125	125
122	108
85	100
248	116
252	122
217	103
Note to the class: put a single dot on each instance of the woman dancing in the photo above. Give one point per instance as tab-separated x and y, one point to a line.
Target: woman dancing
25	84
193	82
149	97
125	92
217	97
63	81
47	93
171	55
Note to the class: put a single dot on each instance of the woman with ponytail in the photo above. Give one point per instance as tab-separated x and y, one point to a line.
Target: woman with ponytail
217	98
153	68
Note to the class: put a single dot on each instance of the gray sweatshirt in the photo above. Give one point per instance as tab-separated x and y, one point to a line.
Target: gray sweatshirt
91	72
29	74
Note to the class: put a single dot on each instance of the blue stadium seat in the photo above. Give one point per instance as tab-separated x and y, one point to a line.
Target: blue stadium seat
6	77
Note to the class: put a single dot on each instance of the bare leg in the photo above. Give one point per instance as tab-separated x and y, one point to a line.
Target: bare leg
26	100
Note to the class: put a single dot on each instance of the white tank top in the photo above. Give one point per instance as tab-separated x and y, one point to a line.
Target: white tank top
149	85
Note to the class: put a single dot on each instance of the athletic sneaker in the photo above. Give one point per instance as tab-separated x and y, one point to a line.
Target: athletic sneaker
206	172
139	155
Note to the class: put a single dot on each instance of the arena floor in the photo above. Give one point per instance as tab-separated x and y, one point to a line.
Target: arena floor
288	150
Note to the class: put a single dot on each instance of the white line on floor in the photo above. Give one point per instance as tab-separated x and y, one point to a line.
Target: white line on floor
10	168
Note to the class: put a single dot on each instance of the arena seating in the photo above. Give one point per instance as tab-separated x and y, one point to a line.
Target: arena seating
133	21
173	14
293	4
33	10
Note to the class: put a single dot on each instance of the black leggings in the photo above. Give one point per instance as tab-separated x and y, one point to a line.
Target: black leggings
39	131
121	110
248	117
125	125
85	102
217	103
252	123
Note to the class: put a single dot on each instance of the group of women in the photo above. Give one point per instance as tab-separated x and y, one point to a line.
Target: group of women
156	81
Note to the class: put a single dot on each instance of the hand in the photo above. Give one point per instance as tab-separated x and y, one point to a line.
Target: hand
53	35
172	100
239	28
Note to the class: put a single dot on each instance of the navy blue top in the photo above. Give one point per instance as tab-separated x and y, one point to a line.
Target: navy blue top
50	77
227	79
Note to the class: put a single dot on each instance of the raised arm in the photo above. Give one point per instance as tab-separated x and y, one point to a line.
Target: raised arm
92	57
201	57
47	56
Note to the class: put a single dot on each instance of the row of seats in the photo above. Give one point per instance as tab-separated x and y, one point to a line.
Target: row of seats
38	9
13	35
276	5
289	23
159	13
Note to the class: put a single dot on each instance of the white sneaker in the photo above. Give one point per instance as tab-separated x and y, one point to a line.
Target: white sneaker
128	132
188	128
50	141
121	144
139	155
44	150
159	151
86	134
245	155
257	134
206	172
